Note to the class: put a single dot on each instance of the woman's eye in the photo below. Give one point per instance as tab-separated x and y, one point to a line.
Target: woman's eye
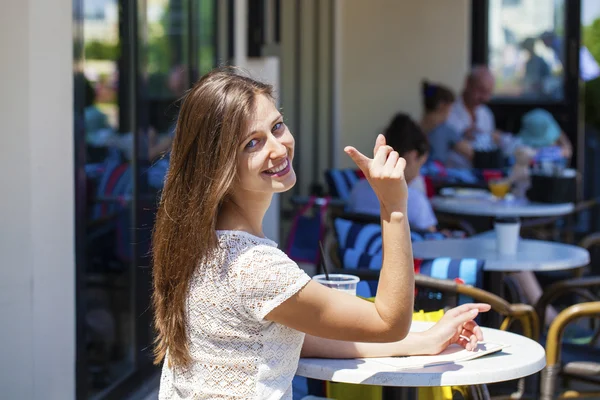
277	126
252	143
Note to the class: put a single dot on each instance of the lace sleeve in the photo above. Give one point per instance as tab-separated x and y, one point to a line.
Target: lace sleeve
267	278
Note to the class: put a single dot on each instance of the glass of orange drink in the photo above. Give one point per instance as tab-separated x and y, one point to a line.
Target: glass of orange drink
499	188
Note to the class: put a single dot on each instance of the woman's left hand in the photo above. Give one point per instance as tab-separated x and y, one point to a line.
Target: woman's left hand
456	326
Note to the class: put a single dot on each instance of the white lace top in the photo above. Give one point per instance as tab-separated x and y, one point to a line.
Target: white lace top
236	353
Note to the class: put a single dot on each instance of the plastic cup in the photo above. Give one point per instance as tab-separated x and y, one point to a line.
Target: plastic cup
342	282
507	235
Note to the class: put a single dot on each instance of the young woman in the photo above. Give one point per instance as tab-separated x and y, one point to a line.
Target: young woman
233	313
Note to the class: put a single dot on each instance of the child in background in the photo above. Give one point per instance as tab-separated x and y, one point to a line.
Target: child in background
406	138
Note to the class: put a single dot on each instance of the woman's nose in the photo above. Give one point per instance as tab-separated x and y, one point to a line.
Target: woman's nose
277	147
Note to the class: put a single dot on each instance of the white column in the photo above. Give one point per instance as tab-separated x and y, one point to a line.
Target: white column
37	270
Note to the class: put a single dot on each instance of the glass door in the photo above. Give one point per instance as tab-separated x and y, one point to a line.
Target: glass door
533	48
134	61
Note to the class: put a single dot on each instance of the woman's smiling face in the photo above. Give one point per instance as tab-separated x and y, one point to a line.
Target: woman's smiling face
267	151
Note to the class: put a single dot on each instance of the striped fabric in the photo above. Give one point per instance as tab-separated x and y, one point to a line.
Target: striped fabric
341	181
467	270
359	245
421	236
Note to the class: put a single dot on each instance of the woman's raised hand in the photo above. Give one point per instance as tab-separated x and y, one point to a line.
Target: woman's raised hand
385	173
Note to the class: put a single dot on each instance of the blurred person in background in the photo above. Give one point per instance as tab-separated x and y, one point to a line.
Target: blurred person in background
446	144
472	118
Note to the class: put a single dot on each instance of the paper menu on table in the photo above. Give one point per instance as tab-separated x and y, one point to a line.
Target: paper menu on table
453	354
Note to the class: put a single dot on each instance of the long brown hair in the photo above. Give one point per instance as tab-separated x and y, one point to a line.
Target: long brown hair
213	118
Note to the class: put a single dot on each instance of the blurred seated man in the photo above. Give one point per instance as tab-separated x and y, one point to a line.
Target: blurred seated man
407	138
472	118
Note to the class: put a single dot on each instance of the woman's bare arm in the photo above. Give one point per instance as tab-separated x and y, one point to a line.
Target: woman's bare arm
457	326
328	313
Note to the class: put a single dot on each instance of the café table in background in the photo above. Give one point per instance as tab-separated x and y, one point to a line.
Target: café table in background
491	207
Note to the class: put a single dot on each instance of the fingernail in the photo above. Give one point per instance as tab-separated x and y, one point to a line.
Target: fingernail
474	312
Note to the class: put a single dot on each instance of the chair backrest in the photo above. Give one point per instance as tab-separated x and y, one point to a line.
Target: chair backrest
360	247
466	270
359	243
359	240
416	236
116	180
341	181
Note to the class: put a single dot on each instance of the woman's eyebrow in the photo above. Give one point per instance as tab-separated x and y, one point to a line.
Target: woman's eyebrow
277	117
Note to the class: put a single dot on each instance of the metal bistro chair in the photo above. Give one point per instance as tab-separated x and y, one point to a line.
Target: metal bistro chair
571	359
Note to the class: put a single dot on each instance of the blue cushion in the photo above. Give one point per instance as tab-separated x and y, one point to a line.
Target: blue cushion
357	235
359	244
366	289
354	259
341	182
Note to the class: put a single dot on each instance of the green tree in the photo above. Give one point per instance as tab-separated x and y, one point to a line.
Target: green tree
591	38
97	50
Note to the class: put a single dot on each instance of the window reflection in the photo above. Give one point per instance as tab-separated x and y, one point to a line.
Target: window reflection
126	166
108	311
526	48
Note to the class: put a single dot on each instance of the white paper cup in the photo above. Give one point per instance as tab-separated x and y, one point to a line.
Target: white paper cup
507	235
343	282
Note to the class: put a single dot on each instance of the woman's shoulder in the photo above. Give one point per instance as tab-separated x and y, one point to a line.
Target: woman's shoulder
250	257
241	244
243	237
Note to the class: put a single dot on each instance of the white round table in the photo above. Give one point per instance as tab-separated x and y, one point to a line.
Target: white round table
532	255
523	357
490	207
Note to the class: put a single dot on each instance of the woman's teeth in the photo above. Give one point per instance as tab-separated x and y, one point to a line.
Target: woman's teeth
278	169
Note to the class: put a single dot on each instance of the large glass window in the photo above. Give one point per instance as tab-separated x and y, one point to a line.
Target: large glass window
526	48
135	62
108	313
